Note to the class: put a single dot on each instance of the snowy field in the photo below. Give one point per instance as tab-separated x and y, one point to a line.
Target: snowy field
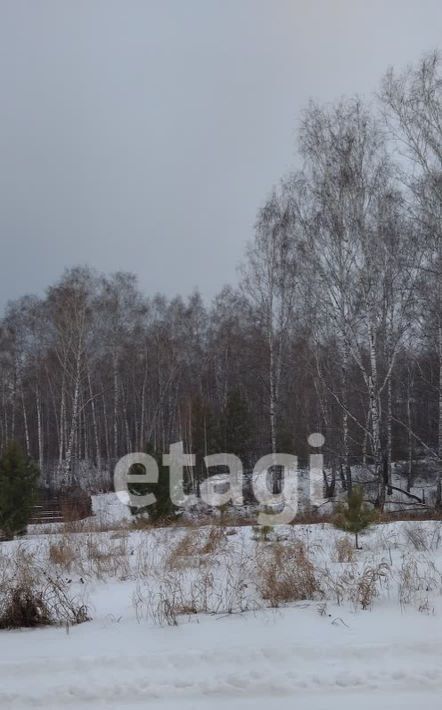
193	618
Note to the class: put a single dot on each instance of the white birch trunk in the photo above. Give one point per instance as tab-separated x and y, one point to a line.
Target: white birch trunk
375	417
94	424
39	432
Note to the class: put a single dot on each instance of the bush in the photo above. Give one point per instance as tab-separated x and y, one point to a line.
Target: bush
23	606
31	595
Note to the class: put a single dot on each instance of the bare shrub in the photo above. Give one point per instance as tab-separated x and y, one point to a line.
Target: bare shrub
286	574
63	608
30	595
23	606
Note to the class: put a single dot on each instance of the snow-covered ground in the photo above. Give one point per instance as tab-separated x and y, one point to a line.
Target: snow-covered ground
314	654
290	658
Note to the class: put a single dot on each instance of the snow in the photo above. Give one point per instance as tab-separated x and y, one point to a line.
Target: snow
389	656
108	509
250	659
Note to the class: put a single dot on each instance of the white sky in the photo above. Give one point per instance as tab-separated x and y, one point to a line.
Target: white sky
143	135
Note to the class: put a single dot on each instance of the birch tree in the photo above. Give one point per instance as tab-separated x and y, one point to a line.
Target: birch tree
355	254
269	282
413	107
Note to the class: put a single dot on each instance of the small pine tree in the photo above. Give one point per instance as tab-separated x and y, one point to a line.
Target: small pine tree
163	508
354	516
18	489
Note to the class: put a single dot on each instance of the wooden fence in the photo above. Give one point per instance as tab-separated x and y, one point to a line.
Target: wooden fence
66	506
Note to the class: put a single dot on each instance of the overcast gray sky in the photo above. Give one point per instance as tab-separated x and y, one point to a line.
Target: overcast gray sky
143	135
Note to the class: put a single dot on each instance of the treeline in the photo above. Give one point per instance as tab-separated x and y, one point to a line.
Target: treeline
335	325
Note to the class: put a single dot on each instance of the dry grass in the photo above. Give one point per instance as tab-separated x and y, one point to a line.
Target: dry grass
286	574
95	524
417	577
344	550
417	536
91	555
423	539
189	569
62	553
359	585
199	574
196	547
106	557
215	538
231	518
184	551
367	584
32	595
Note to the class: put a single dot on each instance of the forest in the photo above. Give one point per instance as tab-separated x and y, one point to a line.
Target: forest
334	325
